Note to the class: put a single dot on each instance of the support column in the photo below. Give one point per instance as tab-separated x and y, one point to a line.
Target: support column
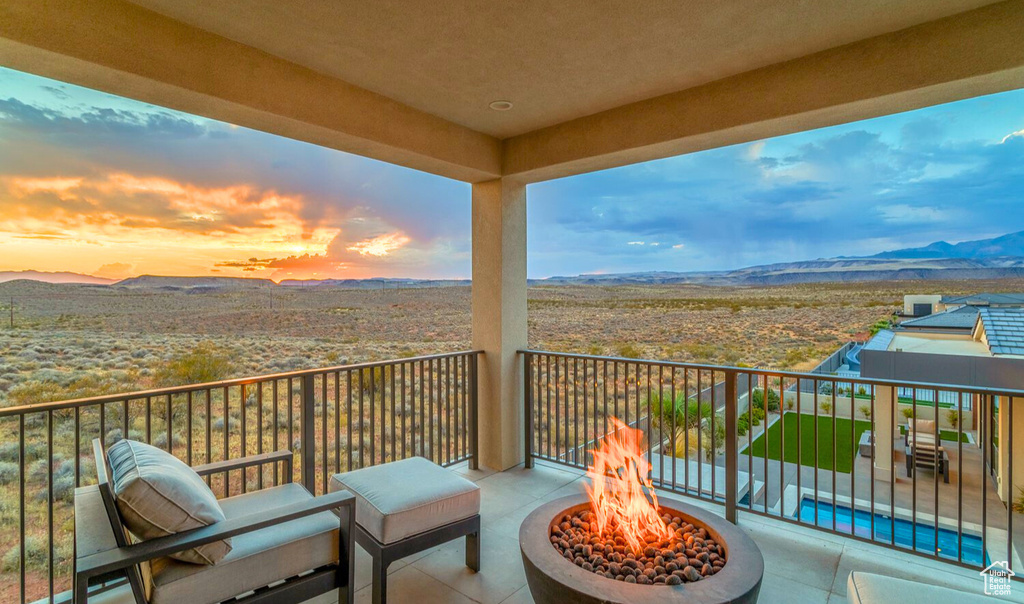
885	418
499	317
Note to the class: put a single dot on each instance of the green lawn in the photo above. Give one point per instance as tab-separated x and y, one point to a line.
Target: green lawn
943	435
844	446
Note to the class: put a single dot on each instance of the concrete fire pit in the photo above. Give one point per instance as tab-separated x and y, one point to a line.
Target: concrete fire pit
555	580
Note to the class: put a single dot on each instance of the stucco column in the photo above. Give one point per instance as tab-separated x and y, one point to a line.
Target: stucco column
499	317
884	430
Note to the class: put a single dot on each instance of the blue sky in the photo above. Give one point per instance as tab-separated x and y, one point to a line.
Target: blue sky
103	185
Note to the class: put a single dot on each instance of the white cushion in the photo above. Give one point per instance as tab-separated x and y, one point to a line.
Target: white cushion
867	588
257	559
404	498
158	495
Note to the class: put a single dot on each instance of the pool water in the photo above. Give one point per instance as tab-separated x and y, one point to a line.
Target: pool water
972	546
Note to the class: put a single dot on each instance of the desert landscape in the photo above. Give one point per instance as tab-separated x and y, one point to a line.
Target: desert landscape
81	340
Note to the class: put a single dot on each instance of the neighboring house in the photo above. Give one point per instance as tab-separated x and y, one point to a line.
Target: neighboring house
982	299
923	305
956	320
989	355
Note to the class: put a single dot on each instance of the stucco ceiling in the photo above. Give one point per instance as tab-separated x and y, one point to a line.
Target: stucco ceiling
554	61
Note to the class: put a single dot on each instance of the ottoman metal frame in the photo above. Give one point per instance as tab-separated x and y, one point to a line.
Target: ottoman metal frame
384	554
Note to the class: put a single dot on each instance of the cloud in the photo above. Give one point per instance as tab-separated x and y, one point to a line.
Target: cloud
1018	133
115	270
379	246
906	214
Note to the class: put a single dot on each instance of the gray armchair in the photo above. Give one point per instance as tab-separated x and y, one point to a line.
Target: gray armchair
287	546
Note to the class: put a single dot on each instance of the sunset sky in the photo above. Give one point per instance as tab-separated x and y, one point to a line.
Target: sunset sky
102	185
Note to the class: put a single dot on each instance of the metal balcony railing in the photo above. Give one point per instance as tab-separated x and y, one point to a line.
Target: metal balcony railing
799	447
334	419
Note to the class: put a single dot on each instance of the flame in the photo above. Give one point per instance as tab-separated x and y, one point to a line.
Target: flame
620	475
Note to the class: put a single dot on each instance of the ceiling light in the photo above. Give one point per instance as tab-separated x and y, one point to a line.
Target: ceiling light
500	105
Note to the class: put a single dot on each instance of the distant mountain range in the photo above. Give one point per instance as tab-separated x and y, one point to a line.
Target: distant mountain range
1006	245
996	258
59	277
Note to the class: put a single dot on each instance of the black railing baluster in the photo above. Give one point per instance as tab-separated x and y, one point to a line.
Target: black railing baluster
960	479
259	433
49	501
1011	435
337	421
22	464
348	412
188	429
308	426
835	459
277	420
323	430
474	434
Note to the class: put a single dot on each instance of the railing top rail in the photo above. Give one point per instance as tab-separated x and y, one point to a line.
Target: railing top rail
244	381
790	374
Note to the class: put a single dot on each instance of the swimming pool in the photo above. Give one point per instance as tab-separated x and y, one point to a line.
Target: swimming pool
972	546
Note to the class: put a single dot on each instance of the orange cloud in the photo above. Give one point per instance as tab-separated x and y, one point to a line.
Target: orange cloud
379	246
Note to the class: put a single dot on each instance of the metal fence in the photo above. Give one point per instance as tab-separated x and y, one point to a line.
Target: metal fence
839	463
334	420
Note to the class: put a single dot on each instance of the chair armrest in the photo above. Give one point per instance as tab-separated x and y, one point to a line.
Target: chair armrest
116	559
227	465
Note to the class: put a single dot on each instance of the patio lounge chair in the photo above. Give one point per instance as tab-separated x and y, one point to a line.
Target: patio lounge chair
285	544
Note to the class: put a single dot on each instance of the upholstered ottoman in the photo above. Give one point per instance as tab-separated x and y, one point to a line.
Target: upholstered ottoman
407	506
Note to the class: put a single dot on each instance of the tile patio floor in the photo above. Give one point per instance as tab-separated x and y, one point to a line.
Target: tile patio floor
801	565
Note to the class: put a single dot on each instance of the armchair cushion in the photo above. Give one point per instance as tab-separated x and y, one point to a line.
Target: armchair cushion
158	495
256	559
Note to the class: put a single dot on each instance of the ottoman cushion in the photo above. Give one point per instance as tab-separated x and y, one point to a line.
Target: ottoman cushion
404	498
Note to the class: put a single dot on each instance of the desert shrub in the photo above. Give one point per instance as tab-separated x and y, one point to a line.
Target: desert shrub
8	472
907	412
742	426
879	325
865	410
789	404
34	392
700	351
378	377
1018	503
629	351
953	417
757	399
826	406
206	362
35	555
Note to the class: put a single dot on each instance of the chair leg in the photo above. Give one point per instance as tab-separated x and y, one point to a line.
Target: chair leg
380	581
473	551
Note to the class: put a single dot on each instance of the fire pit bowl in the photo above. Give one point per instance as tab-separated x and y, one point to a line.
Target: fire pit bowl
555	580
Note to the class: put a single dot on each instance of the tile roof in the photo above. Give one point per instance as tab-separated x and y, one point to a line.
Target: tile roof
985	298
1004	329
962	317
